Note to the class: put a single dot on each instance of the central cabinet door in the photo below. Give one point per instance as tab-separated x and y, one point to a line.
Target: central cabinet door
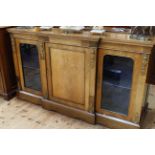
71	78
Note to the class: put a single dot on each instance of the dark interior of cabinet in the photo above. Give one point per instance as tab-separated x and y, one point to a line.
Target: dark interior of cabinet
30	65
117	82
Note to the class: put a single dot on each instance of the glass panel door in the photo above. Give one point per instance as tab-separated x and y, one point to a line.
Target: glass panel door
30	66
116	83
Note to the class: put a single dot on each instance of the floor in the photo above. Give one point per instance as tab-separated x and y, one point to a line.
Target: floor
19	114
149	121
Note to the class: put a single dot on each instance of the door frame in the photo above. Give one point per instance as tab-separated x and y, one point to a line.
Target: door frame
42	65
136	69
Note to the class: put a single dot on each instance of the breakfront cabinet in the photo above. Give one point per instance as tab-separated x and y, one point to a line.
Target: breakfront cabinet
7	73
99	80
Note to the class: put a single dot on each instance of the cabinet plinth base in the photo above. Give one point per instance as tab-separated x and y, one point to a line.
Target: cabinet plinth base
30	97
115	123
69	111
105	120
58	107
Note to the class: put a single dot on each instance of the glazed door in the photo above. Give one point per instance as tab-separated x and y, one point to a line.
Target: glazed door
31	64
71	75
117	81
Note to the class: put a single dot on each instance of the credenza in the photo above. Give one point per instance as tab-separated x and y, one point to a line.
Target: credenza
96	78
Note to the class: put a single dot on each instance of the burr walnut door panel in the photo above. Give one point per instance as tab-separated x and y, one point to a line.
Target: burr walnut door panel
31	63
71	75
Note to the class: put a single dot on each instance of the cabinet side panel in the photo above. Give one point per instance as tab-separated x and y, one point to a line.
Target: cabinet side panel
68	75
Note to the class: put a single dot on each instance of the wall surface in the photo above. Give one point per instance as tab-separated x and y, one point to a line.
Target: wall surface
151	97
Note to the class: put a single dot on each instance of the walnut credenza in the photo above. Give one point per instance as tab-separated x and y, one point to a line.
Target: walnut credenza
99	79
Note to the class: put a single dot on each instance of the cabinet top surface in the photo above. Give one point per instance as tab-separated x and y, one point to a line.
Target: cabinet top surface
113	37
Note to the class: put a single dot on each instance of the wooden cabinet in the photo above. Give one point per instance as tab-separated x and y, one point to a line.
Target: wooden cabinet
71	77
7	74
99	79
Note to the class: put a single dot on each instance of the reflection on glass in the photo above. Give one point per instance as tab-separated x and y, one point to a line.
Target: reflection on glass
117	81
30	64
